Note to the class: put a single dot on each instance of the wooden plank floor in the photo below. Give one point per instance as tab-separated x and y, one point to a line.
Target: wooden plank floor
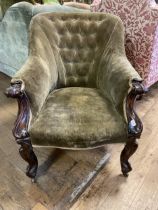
109	190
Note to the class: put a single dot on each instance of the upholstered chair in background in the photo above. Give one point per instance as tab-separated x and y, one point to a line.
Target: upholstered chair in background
14	31
140	19
77	88
5	4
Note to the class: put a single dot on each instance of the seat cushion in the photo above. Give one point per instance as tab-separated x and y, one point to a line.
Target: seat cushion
77	117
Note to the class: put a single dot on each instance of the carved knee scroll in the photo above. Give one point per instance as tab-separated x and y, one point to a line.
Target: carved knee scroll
135	126
20	130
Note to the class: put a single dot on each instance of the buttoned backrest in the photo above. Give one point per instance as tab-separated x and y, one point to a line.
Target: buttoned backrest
77	42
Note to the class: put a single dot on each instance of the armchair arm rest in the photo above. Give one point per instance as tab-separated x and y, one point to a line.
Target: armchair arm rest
121	84
30	86
36	80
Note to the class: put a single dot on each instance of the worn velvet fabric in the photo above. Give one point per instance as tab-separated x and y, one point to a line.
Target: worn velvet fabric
77	78
78	117
14	32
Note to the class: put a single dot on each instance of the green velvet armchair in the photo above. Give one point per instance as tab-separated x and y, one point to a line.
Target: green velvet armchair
77	88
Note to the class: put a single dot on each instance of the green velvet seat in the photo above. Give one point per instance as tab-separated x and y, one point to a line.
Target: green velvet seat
78	86
14	32
78	117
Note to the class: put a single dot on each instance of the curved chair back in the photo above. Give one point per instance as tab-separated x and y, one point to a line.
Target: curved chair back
78	42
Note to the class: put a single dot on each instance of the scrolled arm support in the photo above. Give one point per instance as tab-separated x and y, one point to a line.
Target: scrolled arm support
20	131
21	126
135	125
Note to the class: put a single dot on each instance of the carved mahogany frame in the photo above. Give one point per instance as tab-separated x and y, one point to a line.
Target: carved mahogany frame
21	127
135	126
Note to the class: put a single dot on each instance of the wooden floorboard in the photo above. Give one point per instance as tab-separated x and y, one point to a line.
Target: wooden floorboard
111	191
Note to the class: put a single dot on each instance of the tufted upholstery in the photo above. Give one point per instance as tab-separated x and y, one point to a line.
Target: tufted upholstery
77	44
14	32
77	61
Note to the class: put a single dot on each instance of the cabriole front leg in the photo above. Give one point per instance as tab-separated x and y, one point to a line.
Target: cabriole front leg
129	149
20	131
27	153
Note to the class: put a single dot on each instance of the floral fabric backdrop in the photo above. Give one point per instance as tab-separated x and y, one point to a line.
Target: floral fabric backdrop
141	26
